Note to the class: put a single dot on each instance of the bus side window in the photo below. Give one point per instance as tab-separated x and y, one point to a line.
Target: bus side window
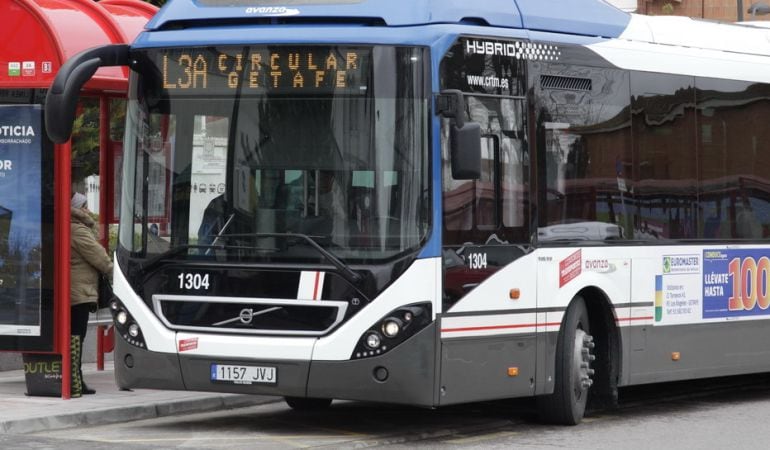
584	135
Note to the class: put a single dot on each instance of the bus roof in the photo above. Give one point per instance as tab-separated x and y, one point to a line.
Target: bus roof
580	17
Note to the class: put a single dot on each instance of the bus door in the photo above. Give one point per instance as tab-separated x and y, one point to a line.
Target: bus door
486	231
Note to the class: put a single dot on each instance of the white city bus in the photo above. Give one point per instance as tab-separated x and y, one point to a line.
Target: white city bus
437	202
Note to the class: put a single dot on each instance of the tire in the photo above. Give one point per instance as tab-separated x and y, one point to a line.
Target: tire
308	404
574	353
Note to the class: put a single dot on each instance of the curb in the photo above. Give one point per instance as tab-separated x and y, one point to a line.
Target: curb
105	416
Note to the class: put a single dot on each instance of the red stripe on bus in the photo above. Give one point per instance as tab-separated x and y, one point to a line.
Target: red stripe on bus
498	327
315	289
634	318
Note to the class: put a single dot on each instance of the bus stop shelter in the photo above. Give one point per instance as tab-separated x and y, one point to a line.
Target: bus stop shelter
39	36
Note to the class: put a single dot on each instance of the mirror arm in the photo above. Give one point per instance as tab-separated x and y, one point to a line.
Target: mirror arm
61	99
450	103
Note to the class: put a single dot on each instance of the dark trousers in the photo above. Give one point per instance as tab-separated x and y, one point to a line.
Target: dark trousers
79	320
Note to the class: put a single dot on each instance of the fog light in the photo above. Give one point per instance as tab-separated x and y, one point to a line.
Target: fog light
381	374
122	317
391	327
373	340
133	330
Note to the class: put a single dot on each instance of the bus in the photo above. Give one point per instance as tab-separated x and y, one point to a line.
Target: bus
434	203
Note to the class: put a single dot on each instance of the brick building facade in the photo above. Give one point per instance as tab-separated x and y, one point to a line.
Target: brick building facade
720	10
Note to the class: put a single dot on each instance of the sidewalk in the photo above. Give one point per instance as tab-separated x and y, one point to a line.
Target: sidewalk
21	414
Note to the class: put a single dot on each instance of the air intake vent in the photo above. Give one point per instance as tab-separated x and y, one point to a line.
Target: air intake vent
565	83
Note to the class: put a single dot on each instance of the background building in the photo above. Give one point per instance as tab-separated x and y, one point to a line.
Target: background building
720	10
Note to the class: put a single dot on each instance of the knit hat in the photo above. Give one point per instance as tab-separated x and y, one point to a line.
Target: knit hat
78	200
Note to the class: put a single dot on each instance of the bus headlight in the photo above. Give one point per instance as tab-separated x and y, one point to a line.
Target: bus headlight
373	340
390	331
391	327
125	325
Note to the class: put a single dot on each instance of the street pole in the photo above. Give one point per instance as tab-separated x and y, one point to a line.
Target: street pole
740	10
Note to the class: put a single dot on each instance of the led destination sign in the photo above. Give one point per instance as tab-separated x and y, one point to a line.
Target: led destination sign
307	70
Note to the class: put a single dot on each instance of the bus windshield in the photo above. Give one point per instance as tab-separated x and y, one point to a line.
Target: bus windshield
255	152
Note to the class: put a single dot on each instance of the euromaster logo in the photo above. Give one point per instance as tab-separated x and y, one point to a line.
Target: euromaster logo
681	264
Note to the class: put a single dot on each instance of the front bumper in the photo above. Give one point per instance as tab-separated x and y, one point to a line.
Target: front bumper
410	369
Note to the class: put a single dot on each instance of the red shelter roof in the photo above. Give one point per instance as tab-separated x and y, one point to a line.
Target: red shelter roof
38	36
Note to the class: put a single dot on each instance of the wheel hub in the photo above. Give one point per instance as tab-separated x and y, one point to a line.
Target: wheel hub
582	358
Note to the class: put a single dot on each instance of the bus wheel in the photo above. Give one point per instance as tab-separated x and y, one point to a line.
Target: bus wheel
307	404
574	353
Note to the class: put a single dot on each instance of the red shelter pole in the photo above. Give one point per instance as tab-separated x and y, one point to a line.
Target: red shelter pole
105	157
63	181
104	140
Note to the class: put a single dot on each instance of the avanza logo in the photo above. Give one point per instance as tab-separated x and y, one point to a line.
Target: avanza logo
272	10
570	267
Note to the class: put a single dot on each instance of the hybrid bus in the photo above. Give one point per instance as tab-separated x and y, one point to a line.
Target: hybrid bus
432	202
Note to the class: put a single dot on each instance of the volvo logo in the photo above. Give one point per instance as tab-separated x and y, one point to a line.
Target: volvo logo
247	315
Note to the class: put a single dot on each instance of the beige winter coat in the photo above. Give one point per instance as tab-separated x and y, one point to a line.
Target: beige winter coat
87	259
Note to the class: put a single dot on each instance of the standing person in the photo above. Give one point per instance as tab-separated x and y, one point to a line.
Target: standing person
87	259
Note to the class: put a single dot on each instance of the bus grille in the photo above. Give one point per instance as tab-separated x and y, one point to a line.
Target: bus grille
257	316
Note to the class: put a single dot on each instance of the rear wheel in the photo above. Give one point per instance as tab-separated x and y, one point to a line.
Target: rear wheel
574	353
307	404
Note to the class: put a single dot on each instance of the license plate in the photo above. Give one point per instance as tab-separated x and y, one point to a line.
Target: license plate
244	374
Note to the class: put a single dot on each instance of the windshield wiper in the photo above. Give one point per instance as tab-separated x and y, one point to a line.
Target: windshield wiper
219	235
152	262
347	273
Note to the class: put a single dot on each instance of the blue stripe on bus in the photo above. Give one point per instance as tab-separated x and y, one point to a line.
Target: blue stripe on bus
232	35
589	18
500	13
586	17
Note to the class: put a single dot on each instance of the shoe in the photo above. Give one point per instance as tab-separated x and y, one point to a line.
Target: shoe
87	390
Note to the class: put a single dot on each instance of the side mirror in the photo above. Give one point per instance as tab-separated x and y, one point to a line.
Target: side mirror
62	98
464	138
465	149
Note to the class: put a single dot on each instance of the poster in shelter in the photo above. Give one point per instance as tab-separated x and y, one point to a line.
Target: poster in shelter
20	219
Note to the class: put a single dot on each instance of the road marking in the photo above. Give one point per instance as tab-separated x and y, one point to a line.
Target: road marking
480	438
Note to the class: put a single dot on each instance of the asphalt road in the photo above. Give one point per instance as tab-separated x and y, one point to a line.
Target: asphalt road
716	414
